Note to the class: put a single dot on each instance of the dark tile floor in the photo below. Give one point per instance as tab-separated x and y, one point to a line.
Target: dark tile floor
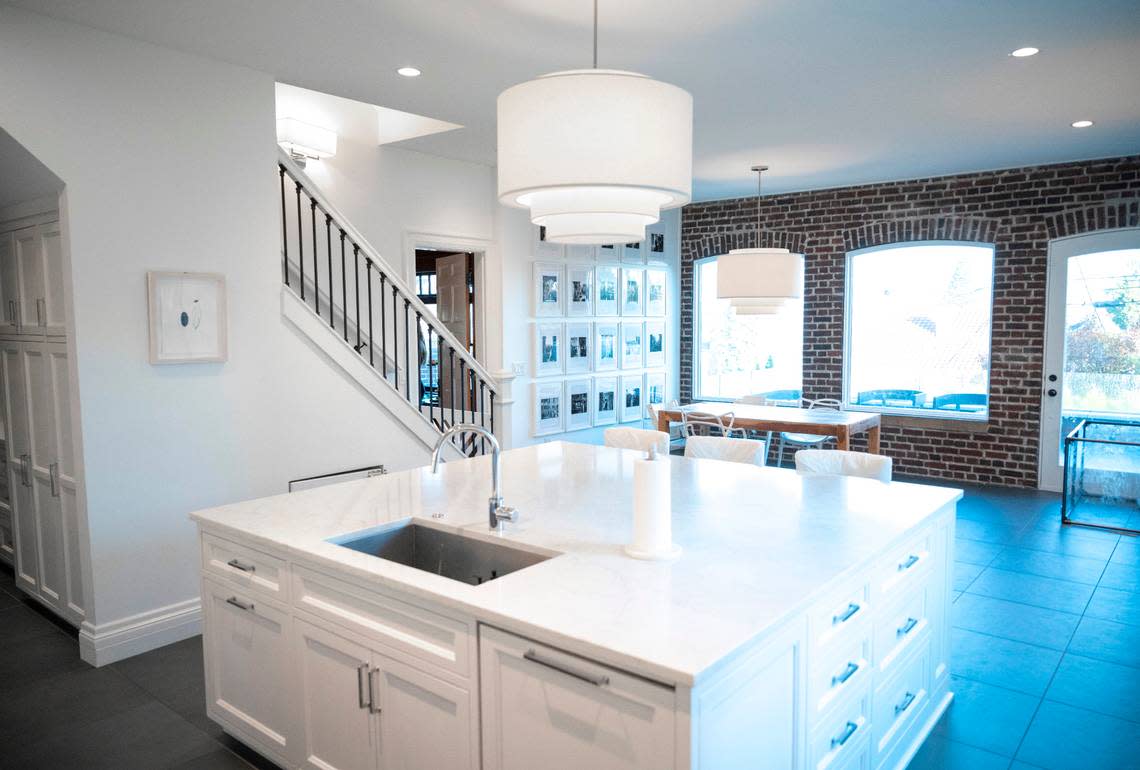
1046	664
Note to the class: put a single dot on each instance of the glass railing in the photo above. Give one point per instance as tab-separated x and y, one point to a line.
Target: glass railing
1102	475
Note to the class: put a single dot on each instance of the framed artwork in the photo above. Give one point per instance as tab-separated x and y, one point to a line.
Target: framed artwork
577	348
547	408
548	289
654	243
605	346
579	253
655	282
630	398
548	351
605	400
632	252
606	290
633	285
632	354
542	248
654	390
580	290
578	404
654	343
187	317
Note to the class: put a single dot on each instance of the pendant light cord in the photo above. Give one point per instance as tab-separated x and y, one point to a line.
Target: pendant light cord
759	191
595	34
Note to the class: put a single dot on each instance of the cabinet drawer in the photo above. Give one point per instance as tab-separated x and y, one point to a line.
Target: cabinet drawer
837	620
835	676
841	736
428	636
896	703
249	568
900	626
904	567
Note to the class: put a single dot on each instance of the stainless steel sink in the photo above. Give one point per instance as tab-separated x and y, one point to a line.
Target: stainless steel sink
442	553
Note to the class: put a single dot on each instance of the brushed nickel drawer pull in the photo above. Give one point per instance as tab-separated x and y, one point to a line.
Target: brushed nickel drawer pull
243	567
598	680
910	562
240	604
845	736
907	627
905	704
848	672
844	616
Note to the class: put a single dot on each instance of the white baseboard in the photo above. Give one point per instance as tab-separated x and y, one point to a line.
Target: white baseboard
108	642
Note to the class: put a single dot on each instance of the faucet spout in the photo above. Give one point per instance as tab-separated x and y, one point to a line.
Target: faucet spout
497	512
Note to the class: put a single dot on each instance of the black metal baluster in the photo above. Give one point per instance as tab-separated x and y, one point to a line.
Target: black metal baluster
492	412
284	226
343	288
356	289
328	250
383	331
368	276
451	381
313	220
408	351
431	379
482	415
300	242
463	393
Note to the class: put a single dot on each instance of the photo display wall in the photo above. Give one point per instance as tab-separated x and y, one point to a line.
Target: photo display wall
599	332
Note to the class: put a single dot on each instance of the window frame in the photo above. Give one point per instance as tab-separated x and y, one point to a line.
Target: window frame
920	414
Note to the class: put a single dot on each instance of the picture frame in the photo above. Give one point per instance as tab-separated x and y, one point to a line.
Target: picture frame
656	283
606	346
578	253
547	415
655	390
579	290
605	400
578	404
548	349
578	347
187	317
632	345
633	253
654	344
632	291
655	244
542	248
549	279
606	283
631	403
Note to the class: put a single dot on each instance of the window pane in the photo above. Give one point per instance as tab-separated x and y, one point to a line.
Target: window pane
744	355
919	328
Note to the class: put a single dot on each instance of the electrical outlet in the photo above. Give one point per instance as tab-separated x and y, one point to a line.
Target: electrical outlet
519	369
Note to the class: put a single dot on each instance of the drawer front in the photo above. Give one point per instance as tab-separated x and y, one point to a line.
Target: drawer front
840	738
900	626
431	637
837	620
904	567
895	705
247	567
834	677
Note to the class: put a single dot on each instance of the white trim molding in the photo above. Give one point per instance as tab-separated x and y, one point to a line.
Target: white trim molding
109	642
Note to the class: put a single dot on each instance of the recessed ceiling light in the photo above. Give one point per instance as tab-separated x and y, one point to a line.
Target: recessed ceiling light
1082	123
408	72
1021	53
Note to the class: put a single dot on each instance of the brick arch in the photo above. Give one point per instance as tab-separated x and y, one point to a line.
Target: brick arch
930	228
1110	215
714	244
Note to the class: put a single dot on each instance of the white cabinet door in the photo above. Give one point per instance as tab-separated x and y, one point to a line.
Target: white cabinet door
66	485
9	283
19	466
32	279
542	708
48	514
7	543
425	722
52	303
339	731
249	673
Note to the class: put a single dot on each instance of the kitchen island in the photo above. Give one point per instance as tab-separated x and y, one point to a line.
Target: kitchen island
805	624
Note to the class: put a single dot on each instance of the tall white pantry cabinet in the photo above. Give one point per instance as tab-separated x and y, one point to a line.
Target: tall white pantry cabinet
39	528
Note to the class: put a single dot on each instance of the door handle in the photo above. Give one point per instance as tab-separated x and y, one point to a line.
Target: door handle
595	679
41	312
53	476
25	461
12	311
372	688
361	674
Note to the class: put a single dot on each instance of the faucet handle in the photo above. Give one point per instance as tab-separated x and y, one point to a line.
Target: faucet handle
506	513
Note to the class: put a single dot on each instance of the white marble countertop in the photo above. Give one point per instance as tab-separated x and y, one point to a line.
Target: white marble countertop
759	545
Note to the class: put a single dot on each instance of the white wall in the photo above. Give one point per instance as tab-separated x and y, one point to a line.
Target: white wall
169	164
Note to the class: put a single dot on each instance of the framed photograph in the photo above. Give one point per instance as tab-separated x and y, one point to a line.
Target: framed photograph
605	400
633	253
578	404
630	399
548	289
605	346
542	248
548	349
606	290
654	390
187	317
632	289
579	253
577	348
580	290
655	282
632	345
654	243
547	408
654	343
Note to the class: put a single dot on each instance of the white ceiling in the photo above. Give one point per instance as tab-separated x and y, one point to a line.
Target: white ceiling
22	176
827	93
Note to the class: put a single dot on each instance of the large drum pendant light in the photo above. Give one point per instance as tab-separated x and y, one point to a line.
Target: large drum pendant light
595	154
755	278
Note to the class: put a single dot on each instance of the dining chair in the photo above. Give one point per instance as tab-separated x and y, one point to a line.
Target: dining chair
708	424
840	462
636	438
676	435
807	439
733	450
758	399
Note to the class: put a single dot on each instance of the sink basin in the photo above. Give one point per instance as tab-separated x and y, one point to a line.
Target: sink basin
458	557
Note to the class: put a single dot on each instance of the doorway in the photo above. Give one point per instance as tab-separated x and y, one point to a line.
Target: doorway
445	283
1092	358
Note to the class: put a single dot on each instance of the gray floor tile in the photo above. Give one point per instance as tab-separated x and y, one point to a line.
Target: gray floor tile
220	759
1125	577
975	551
19	624
987	717
39	657
1073	568
964	574
1116	605
939	753
987	532
1012	665
1069	541
1105	640
7	601
1011	620
1050	593
1097	685
1127	551
1068	738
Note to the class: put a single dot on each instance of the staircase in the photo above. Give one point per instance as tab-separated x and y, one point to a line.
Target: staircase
341	294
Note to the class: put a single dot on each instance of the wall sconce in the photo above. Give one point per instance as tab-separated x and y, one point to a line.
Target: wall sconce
304	141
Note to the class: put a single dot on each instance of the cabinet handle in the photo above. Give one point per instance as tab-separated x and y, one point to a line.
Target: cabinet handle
361	673
25	461
248	607
907	627
243	567
905	704
597	680
12	311
844	616
53	475
844	736
910	562
41	312
848	672
372	688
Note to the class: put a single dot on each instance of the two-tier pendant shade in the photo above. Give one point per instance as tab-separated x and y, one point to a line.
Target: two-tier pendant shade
756	280
595	154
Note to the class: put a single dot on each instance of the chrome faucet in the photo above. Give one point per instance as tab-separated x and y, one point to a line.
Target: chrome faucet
497	513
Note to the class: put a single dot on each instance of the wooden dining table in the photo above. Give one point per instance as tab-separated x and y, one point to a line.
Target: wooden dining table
817	422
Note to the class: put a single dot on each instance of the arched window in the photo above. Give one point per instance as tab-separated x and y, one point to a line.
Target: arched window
918	318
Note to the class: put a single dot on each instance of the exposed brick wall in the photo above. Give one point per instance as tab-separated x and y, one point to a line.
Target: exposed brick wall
1018	210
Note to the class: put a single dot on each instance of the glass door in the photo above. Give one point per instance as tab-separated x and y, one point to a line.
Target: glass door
1092	353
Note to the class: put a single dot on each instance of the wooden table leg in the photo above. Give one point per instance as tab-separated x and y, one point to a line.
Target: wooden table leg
662	422
843	439
873	440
